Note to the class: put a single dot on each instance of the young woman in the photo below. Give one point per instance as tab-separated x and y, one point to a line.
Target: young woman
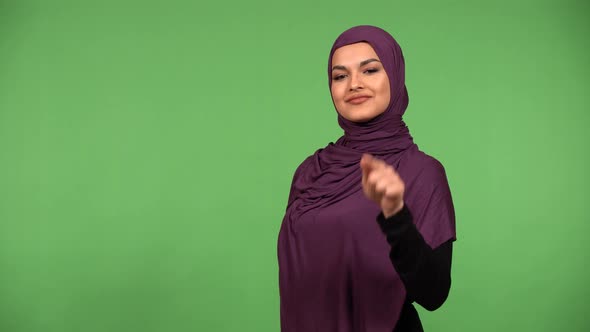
370	222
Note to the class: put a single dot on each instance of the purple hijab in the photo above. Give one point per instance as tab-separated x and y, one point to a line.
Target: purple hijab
334	268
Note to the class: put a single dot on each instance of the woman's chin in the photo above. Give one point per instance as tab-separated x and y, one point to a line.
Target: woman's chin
362	117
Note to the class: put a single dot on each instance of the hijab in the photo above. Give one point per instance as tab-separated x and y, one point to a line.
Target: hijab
334	268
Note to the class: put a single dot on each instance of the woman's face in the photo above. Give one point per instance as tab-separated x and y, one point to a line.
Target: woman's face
360	86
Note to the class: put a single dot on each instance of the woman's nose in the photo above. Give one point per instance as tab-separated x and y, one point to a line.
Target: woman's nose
355	82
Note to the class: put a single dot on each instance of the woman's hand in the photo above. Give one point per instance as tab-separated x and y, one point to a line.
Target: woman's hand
382	184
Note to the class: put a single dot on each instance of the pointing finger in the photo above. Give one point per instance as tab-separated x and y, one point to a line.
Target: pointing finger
366	165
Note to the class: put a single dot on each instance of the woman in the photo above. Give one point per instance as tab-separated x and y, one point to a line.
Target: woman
370	222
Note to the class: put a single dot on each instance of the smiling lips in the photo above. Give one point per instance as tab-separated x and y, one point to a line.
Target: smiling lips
356	100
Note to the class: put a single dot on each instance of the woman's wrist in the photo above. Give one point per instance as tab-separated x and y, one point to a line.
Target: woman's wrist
391	212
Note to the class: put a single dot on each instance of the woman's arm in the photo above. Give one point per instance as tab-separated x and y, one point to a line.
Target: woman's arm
425	272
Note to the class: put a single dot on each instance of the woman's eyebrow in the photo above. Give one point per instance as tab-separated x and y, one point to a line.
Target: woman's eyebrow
368	61
338	67
360	65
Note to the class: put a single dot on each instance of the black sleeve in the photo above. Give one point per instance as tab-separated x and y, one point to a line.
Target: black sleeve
425	272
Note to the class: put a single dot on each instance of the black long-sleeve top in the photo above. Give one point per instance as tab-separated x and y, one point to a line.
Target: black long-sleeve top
425	271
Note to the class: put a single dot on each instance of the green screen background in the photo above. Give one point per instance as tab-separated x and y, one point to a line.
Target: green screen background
147	148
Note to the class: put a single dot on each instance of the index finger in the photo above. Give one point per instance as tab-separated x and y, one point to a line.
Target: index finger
369	164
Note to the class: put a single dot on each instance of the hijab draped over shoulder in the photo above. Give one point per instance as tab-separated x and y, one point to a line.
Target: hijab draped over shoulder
334	268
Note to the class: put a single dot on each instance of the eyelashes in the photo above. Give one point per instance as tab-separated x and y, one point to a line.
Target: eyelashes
368	71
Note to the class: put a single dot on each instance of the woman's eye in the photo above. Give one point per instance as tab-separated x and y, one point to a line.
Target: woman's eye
371	70
337	77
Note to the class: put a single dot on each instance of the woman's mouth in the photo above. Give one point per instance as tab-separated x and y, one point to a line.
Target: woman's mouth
358	100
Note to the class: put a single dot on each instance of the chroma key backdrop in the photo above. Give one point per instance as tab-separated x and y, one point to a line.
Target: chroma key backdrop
147	149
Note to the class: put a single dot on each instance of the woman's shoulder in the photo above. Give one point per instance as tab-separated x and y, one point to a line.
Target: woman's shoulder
424	164
306	163
320	153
